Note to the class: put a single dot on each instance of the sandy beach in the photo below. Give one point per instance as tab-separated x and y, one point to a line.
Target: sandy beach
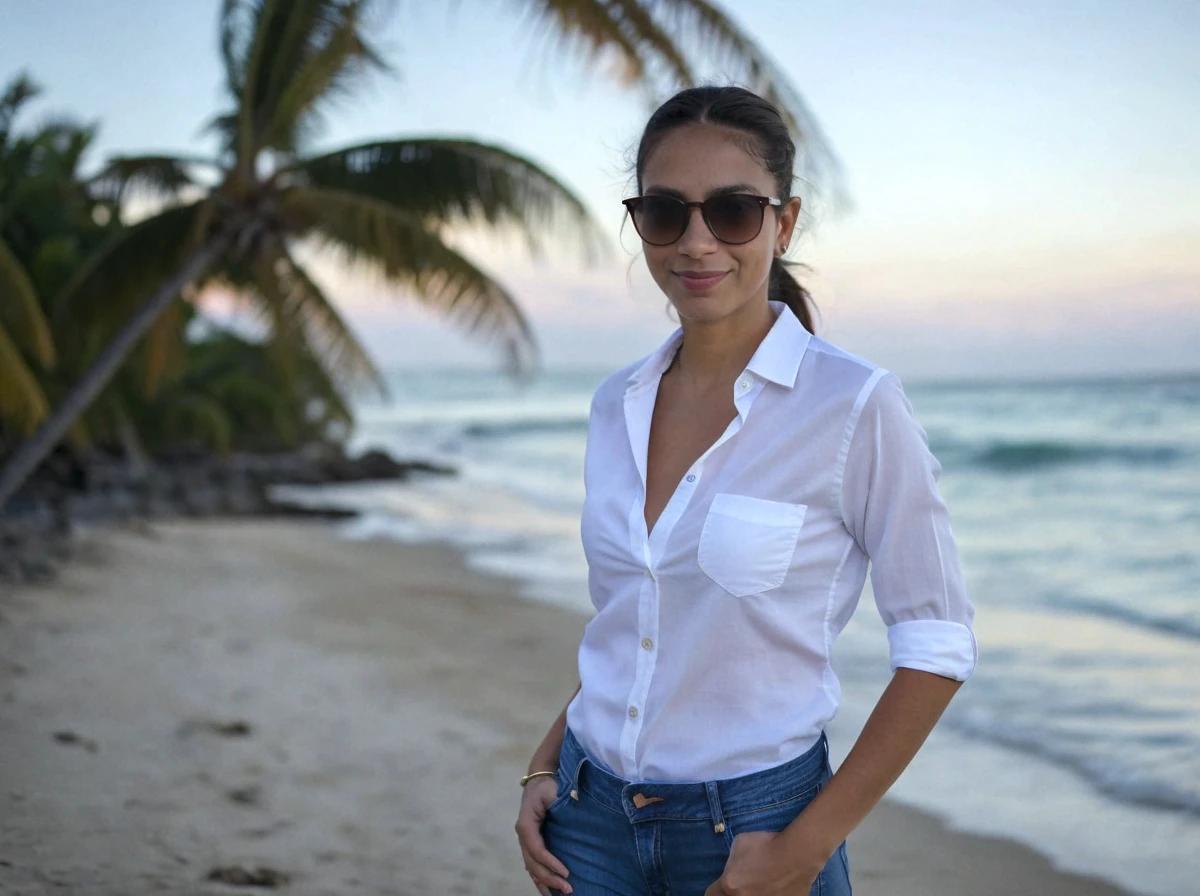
259	700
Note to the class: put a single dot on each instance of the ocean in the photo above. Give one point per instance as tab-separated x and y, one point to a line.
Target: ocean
1076	506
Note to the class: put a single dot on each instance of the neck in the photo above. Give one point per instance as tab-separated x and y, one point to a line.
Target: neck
711	354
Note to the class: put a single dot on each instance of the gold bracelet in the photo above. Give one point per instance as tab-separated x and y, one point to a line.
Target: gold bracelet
525	780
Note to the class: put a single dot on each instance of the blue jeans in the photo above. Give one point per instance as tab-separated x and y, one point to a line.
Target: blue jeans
621	838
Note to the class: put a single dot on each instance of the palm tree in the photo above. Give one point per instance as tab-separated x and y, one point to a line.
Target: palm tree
386	203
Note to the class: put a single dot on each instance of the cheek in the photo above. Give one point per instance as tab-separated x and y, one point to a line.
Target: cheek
659	264
755	262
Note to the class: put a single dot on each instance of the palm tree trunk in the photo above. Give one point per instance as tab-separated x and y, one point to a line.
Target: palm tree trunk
28	455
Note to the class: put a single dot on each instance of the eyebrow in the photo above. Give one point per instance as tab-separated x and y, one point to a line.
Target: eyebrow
716	191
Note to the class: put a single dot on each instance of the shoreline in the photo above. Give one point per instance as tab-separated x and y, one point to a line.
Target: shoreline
259	695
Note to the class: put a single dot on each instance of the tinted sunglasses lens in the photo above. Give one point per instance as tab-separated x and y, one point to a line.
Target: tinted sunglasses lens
660	219
734	219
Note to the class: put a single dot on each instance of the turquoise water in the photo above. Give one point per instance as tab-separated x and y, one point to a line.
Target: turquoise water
1076	504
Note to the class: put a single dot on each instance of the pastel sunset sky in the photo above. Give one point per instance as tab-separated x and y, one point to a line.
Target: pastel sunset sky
1024	176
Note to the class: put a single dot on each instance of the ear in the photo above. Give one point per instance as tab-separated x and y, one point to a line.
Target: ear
789	213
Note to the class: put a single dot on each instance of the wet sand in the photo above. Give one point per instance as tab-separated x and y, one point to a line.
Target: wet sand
261	701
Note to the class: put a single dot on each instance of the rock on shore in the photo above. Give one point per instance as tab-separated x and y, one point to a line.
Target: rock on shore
36	525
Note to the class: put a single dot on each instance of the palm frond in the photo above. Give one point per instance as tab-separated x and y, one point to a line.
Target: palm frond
21	313
23	404
105	291
621	30
377	236
236	30
69	140
294	351
297	55
701	24
20	90
225	126
327	394
162	353
584	28
154	177
268	18
452	181
325	330
663	34
335	57
634	19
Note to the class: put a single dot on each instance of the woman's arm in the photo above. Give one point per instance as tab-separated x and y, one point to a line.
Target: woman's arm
908	709
790	861
893	509
545	757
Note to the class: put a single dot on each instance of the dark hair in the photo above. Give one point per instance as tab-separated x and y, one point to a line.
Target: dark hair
768	140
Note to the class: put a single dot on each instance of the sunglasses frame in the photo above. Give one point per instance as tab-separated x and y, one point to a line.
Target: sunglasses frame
763	201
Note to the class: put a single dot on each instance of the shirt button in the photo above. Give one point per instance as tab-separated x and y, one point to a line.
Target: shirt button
743	384
691	477
633	712
647	643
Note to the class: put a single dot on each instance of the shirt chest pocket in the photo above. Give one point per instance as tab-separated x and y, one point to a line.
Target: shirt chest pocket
746	543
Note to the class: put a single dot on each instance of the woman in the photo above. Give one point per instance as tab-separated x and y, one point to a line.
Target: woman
738	479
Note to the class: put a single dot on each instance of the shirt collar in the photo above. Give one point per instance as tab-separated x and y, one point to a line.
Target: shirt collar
777	357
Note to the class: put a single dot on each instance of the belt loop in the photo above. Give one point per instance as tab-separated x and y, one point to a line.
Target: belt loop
714	804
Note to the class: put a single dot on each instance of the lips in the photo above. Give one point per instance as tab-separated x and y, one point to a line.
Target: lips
698	283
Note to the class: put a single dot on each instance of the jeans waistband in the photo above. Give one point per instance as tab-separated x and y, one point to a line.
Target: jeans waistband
799	777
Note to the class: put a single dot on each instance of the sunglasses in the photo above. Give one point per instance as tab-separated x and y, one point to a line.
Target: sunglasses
733	218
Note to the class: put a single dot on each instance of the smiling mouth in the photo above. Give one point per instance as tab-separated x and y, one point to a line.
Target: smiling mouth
707	281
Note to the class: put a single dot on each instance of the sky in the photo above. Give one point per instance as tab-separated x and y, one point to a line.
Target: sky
1026	198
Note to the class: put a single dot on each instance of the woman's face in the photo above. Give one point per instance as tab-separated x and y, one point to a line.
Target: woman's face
694	160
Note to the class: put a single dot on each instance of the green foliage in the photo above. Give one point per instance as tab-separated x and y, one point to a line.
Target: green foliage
71	274
230	393
46	225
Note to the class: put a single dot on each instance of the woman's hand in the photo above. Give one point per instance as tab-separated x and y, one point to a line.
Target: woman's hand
760	864
543	867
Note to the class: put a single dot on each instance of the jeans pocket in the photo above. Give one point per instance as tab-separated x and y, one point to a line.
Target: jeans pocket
775	818
772	817
841	886
564	789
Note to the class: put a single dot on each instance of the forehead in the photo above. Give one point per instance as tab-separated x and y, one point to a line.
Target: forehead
697	159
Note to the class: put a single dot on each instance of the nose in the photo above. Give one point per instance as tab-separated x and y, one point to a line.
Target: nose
696	232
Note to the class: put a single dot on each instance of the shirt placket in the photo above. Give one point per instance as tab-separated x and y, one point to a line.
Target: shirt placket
649	546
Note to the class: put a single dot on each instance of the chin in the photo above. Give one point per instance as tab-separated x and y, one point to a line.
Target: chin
702	307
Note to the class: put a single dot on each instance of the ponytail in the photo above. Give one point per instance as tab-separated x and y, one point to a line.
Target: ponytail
787	289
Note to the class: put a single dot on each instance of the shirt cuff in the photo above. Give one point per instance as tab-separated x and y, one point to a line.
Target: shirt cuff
933	645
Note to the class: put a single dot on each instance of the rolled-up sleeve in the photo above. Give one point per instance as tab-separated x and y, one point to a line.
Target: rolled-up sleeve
892	507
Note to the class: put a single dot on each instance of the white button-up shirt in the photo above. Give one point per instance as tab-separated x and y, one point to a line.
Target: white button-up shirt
709	653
